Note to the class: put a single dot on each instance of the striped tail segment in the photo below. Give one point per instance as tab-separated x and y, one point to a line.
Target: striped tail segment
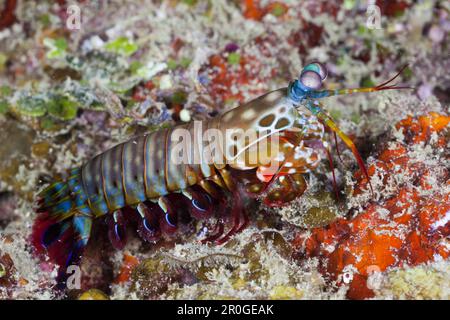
63	226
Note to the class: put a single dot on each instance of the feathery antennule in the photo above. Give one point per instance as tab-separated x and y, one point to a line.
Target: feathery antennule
328	121
383	86
337	148
330	160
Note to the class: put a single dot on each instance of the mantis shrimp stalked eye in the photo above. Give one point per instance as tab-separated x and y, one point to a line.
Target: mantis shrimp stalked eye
304	92
312	76
318	68
310	80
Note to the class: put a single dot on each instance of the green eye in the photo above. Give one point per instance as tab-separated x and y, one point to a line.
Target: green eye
318	68
310	80
312	67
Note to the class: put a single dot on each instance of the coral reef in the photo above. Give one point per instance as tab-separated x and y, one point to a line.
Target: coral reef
256	264
409	222
426	281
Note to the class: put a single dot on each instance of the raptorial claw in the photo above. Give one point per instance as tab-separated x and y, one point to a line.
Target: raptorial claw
292	186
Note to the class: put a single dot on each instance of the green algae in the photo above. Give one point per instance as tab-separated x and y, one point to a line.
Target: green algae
4	106
2	270
33	106
56	48
234	58
122	46
62	107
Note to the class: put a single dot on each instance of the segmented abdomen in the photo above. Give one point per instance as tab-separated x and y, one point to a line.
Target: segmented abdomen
139	169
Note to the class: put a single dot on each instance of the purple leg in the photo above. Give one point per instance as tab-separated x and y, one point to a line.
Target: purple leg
236	213
201	204
217	234
148	226
116	229
169	214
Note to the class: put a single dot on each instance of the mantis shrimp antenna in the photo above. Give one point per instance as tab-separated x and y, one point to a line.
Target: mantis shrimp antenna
307	87
383	86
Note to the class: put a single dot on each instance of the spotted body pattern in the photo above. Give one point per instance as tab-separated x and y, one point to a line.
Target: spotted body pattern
140	173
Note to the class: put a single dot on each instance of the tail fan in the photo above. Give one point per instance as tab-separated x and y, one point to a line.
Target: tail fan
62	229
53	238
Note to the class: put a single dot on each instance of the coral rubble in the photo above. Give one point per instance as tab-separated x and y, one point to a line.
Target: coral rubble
68	93
408	224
